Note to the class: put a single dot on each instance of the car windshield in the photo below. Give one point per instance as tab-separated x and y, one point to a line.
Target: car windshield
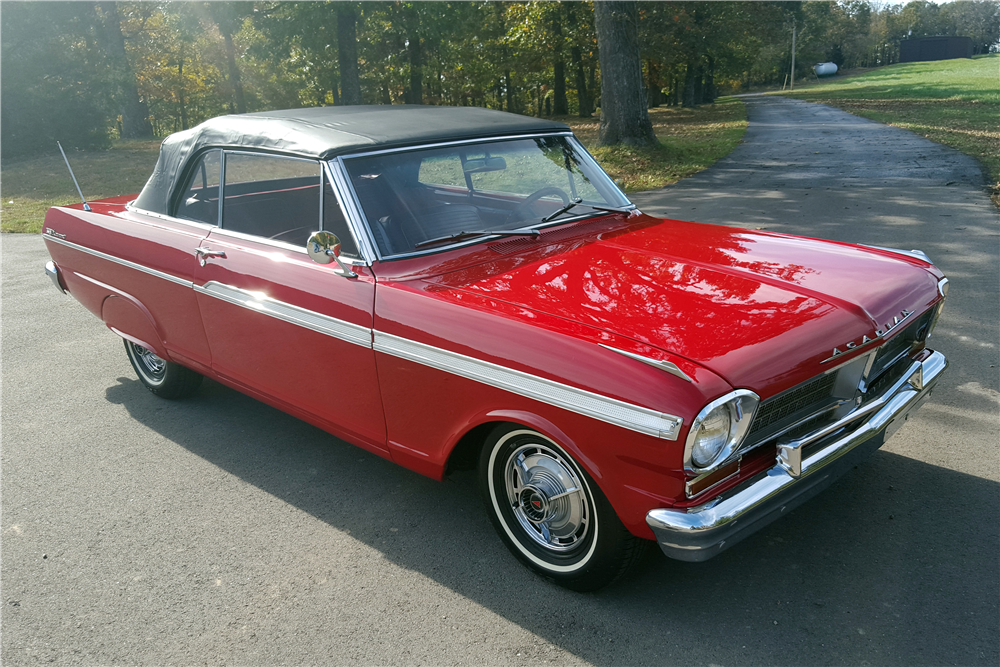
425	199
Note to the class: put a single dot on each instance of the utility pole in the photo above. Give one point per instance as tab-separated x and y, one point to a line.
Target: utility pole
792	84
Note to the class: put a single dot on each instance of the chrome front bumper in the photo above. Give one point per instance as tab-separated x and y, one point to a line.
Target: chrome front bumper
698	533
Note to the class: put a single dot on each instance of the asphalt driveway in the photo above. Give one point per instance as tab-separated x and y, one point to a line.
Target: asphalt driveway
218	530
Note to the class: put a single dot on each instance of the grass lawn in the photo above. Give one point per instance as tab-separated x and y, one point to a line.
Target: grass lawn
28	187
952	102
691	140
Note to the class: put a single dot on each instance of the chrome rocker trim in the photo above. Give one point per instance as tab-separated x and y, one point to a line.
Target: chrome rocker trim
702	532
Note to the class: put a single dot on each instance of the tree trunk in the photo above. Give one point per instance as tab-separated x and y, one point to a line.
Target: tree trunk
654	96
135	112
509	85
710	91
582	94
699	84
347	54
592	87
624	117
560	105
416	59
180	93
234	73
688	96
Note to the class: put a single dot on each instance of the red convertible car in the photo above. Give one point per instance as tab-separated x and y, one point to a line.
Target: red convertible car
459	287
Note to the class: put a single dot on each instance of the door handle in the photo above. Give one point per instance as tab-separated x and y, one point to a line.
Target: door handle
205	253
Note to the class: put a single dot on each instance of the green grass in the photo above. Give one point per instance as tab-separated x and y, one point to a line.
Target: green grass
690	140
28	187
952	102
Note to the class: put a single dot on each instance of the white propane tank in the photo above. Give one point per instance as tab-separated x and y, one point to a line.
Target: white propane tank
825	69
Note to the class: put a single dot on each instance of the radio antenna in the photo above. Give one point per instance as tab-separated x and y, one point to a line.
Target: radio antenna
86	206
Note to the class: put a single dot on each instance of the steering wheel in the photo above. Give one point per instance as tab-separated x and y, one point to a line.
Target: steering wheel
523	209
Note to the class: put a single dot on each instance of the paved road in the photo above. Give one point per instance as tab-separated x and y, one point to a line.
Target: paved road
218	530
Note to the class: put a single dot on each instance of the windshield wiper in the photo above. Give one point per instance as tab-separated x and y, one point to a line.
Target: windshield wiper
534	233
553	216
578	201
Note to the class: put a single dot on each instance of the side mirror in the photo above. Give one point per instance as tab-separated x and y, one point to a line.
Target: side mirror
323	248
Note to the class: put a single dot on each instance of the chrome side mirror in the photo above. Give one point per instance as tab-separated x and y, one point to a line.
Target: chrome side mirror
323	248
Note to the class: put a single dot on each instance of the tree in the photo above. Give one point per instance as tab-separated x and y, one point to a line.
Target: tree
624	117
347	53
976	19
134	110
56	82
229	17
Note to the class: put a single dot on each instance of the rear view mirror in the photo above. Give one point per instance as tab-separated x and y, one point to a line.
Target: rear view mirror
485	164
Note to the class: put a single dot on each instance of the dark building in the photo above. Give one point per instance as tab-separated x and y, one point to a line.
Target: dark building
934	48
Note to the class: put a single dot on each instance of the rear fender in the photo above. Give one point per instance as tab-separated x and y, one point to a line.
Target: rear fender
128	318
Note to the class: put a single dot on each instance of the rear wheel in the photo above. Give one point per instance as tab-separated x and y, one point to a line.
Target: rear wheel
164	378
550	514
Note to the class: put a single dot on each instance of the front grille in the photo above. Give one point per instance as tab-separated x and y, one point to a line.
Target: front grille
898	345
812	404
813	394
888	378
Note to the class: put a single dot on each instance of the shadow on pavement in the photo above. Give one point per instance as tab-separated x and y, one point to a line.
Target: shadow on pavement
887	539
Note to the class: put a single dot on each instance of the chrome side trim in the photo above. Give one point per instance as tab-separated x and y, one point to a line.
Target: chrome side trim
118	260
261	303
603	408
169	218
699	533
220	231
662	365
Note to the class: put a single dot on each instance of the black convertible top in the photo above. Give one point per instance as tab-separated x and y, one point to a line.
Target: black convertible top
325	132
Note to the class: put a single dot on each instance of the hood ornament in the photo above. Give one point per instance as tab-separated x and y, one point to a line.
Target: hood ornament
867	339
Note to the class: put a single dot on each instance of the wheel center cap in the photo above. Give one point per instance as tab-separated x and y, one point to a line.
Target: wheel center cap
534	503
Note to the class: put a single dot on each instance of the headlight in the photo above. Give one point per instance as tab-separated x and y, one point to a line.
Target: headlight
718	430
711	437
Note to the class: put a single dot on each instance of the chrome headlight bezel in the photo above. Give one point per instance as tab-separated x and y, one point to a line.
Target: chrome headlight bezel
741	404
943	291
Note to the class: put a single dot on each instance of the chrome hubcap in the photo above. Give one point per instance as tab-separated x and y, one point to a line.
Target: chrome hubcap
152	364
547	497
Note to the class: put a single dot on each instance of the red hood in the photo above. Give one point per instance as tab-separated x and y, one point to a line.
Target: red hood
762	310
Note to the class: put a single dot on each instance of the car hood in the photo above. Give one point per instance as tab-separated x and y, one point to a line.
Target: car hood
764	311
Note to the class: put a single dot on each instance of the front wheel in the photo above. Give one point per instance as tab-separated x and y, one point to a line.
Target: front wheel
550	514
164	378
